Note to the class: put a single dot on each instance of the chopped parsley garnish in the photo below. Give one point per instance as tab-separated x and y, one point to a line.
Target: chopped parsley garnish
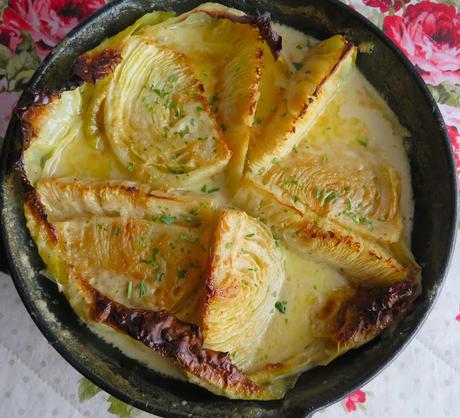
192	219
129	291
143	289
319	192
234	355
173	78
204	189
194	212
182	273
130	167
184	237
153	260
347	188
297	65
329	196
199	109
250	235
363	142
159	276
258	120
117	231
254	269
291	180
228	245
216	189
294	149
281	306
167	220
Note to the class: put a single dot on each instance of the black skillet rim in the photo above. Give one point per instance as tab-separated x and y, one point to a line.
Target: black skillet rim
112	389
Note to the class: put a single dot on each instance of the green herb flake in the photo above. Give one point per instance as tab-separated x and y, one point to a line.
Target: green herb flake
153	260
250	235
291	180
117	231
130	167
182	273
187	238
228	245
329	196
258	120
204	189
347	189
294	149
129	291
173	78
350	207
167	220
297	65
234	355
199	109
363	142
159	277
216	189
281	306
143	289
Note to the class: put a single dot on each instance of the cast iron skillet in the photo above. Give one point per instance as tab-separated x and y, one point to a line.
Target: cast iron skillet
434	184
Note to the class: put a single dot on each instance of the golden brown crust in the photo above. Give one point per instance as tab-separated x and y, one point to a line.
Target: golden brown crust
348	49
95	66
178	340
262	23
312	231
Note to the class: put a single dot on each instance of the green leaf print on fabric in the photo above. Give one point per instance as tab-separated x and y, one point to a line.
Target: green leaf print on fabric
119	408
86	389
18	69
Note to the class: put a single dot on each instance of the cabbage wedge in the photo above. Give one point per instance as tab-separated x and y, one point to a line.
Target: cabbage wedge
246	268
226	57
360	195
365	261
288	109
142	273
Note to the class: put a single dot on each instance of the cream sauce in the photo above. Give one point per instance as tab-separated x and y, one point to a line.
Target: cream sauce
356	113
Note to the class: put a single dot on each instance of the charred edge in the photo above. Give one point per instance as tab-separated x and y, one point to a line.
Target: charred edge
310	230
182	342
263	25
370	310
38	211
93	67
32	103
346	50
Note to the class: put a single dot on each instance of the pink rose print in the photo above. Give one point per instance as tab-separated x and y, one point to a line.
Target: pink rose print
48	21
429	34
9	37
452	118
358	397
458	316
386	5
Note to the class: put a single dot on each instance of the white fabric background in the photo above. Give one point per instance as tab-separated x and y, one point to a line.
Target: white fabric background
423	382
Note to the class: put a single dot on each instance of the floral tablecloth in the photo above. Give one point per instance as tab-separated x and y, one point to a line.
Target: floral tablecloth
424	381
